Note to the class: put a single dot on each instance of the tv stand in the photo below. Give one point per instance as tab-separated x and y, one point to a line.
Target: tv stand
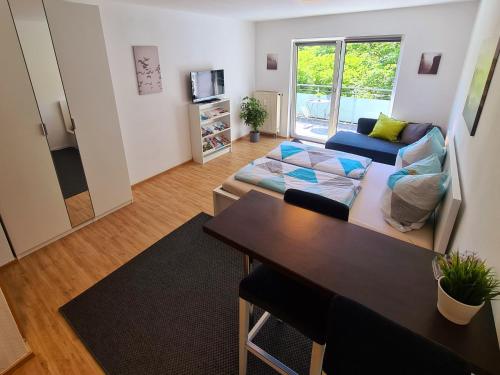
210	129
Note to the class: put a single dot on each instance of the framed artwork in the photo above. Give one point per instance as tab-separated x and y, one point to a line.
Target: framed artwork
429	63
478	90
272	61
147	68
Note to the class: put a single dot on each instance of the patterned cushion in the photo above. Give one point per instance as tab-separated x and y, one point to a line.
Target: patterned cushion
413	132
413	193
319	159
431	143
431	164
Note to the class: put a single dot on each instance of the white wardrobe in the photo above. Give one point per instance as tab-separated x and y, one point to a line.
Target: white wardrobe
40	199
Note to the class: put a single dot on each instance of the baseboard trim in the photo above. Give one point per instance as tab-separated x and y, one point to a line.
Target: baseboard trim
239	139
161	173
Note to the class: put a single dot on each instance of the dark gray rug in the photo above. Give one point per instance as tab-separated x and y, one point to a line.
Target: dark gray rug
173	309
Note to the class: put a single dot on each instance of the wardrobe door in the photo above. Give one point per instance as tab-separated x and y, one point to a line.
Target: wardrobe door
31	203
81	53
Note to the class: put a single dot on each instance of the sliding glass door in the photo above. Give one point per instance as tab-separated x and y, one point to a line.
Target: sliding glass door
315	89
368	80
336	82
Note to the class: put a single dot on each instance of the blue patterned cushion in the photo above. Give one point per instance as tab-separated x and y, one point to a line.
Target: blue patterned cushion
318	159
413	193
431	143
428	165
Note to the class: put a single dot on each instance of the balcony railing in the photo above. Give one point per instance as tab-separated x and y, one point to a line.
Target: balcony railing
313	102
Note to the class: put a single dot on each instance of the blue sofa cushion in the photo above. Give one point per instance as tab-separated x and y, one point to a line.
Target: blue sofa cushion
360	144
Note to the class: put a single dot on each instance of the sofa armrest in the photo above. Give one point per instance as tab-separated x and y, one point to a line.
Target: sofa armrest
365	125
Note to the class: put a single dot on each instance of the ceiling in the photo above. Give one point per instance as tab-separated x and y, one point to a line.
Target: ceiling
259	10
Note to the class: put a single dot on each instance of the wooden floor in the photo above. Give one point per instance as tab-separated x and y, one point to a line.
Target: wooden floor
40	283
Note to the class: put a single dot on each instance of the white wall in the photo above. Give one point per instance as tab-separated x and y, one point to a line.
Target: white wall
478	225
155	127
440	28
44	74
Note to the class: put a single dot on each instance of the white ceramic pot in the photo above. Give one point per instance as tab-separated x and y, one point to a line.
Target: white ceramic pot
453	310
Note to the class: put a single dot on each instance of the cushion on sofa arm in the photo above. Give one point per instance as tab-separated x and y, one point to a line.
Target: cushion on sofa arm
365	125
413	132
377	149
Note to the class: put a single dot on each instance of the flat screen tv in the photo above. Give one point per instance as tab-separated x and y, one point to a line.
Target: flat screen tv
207	85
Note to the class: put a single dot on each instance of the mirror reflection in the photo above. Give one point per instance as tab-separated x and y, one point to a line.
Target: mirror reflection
58	126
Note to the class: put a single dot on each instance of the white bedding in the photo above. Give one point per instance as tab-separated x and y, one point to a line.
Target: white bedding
365	210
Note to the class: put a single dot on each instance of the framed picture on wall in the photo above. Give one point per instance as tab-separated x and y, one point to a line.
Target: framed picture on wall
429	63
478	90
147	68
272	61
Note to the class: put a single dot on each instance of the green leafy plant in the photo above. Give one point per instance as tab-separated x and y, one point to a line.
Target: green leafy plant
367	66
253	113
467	279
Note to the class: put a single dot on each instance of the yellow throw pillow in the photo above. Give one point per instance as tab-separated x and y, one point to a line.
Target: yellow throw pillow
387	128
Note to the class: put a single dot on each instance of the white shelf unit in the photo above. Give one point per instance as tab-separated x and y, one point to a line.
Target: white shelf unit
205	116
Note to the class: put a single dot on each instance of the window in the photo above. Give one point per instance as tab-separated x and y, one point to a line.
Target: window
338	81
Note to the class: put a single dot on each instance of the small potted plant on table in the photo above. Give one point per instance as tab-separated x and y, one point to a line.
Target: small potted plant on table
254	114
464	287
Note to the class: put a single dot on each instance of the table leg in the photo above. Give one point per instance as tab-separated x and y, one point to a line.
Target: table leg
247	265
247	268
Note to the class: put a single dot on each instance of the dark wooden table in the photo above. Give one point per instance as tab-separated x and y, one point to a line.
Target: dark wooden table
389	276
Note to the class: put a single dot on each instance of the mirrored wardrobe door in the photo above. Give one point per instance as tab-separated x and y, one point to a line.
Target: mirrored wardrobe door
36	43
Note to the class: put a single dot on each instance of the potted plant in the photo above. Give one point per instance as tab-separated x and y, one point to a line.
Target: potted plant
464	287
254	114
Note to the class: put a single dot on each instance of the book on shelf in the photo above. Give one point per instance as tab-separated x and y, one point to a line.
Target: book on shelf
215	142
214	112
215	127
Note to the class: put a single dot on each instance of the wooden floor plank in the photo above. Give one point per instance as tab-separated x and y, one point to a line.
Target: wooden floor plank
37	285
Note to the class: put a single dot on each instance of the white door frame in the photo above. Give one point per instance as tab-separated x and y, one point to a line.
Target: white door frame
337	84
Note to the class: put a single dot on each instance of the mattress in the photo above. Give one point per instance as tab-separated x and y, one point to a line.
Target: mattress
365	211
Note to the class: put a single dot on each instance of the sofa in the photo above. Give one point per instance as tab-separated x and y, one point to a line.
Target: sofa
360	143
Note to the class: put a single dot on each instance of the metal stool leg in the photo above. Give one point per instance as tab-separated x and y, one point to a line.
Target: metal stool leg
317	354
243	337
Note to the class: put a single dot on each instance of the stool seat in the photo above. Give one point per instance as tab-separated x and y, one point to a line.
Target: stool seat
300	306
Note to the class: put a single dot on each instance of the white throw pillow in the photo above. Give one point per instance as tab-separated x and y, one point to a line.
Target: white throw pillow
431	143
413	193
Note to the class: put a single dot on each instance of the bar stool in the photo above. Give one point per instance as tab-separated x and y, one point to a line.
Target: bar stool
299	305
360	341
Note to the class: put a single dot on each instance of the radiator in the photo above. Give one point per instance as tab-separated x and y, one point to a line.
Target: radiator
272	102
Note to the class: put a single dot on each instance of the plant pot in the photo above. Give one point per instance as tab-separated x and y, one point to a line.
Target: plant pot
453	310
254	136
